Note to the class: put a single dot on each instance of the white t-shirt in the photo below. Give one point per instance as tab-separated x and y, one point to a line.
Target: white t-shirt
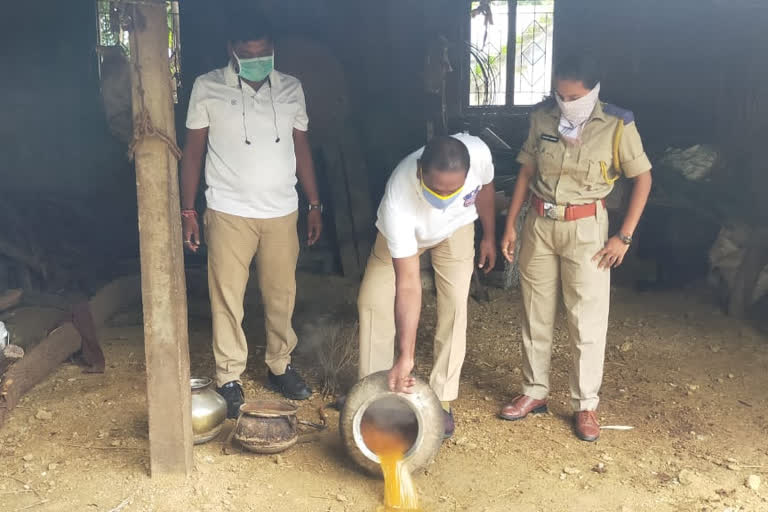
256	180
409	222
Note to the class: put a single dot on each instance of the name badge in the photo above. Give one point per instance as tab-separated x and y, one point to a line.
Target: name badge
549	138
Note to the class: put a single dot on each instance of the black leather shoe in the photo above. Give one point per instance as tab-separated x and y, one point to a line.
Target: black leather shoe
450	424
232	392
290	384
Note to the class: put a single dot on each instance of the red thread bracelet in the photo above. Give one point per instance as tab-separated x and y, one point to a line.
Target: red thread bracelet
189	214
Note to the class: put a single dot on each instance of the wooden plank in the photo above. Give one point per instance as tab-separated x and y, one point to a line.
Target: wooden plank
162	261
360	204
345	229
8	356
28	325
115	296
36	365
10	299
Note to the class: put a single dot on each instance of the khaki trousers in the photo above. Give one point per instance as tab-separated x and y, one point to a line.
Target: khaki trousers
453	261
554	255
232	244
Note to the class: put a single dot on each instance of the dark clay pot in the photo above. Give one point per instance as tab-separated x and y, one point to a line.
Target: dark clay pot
266	426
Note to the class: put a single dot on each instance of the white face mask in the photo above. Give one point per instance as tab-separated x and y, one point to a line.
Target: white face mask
573	114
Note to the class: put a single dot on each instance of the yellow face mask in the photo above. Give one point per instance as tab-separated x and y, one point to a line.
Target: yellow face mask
436	200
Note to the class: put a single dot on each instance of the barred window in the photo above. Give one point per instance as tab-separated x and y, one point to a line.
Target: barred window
113	31
498	77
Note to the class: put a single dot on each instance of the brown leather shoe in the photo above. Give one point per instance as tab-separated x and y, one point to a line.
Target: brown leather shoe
587	427
521	406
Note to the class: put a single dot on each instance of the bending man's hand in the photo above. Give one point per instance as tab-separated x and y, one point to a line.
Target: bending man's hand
400	378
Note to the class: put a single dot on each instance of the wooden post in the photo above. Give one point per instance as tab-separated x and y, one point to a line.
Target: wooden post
162	260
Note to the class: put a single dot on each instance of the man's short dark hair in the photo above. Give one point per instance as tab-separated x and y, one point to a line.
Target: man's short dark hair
246	25
445	153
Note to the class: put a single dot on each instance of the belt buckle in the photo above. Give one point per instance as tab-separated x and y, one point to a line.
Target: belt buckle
550	211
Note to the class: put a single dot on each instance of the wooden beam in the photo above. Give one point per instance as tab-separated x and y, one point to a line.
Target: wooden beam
342	210
361	210
8	356
10	298
162	259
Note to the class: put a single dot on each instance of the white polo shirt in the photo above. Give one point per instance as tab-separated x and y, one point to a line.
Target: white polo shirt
256	180
409	222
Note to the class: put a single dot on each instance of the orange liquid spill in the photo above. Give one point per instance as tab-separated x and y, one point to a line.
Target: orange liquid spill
390	447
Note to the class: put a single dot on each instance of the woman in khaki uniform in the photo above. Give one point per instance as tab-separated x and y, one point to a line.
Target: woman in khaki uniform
576	148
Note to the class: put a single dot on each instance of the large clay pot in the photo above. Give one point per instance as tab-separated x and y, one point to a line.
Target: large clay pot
266	426
209	410
418	416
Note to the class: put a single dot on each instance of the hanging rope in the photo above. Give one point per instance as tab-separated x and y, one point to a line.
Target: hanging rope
143	127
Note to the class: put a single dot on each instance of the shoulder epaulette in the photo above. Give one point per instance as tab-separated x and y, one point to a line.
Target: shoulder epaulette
626	115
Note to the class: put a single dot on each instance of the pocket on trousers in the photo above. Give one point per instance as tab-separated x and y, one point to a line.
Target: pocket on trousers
593	230
589	231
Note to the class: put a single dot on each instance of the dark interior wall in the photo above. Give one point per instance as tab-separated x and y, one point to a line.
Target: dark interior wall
380	45
53	133
684	67
668	61
693	72
67	190
663	61
675	64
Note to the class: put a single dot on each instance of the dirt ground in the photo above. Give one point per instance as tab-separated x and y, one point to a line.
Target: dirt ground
691	382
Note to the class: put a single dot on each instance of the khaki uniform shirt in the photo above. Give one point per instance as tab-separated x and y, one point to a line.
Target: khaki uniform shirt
571	174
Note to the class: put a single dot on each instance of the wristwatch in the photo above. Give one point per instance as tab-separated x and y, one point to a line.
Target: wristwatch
624	238
315	206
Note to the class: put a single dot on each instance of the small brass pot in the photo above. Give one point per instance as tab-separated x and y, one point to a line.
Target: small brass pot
209	410
267	426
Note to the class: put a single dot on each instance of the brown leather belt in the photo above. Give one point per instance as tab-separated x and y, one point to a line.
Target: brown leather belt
564	212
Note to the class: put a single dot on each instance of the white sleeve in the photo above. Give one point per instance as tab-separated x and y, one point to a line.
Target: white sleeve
197	113
485	167
398	229
301	121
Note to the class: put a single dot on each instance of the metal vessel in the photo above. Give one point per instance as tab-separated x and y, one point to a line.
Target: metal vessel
417	417
209	410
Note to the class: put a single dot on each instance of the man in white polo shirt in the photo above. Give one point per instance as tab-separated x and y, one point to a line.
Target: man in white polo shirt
431	203
253	122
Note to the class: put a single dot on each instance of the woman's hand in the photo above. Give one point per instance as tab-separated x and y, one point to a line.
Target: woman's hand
508	244
612	255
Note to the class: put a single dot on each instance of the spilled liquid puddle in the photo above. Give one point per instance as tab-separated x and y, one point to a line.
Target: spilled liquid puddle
390	437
